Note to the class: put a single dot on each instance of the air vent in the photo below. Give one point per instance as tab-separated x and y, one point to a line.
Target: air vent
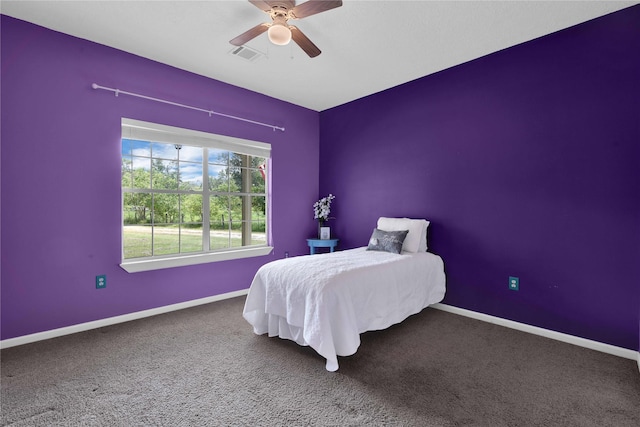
246	53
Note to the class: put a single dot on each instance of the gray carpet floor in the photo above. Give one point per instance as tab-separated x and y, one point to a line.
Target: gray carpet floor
204	367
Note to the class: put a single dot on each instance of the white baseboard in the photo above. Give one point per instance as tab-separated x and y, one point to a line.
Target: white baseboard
582	342
54	333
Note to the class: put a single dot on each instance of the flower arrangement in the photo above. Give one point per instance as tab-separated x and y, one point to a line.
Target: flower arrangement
322	208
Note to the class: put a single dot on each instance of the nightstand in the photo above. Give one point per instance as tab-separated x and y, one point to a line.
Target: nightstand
322	243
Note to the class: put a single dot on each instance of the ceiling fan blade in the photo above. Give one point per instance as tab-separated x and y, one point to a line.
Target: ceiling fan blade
250	34
311	7
260	4
304	42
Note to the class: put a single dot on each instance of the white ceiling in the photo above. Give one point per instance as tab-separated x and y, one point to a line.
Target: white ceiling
367	46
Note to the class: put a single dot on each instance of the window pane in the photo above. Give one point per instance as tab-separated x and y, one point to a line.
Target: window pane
236	237
166	239
126	147
258	208
137	208
165	175
235	180
218	157
258	220
257	181
190	176
219	212
218	179
235	159
140	148
256	162
127	172
258	237
191	208
136	241
191	154
219	239
165	151
235	205
141	172
129	201
166	208
191	238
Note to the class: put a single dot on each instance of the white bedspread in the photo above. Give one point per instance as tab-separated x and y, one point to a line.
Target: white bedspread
325	301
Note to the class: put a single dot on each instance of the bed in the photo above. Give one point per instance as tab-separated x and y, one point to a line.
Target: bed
326	301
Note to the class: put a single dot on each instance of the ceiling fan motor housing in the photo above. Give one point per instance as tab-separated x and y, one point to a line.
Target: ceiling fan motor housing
280	11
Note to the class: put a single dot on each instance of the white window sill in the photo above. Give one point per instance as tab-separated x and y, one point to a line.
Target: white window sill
134	266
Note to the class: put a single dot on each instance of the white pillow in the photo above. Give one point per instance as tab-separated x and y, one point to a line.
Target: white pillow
423	237
416	240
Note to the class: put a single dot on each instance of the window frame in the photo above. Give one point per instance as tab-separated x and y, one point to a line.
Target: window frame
153	132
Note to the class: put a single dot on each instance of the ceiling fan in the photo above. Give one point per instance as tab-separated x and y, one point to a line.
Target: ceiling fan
279	31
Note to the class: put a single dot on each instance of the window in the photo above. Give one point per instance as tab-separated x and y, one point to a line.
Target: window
191	197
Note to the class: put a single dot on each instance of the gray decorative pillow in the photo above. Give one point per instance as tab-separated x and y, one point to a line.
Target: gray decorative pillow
387	241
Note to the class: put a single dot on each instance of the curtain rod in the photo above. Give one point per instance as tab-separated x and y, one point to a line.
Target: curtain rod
210	112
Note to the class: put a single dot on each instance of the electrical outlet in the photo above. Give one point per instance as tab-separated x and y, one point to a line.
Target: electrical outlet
514	283
286	254
101	281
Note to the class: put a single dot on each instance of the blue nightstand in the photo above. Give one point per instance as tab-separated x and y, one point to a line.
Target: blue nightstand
322	243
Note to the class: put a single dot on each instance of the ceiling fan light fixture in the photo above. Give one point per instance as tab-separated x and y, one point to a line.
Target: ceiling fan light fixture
279	34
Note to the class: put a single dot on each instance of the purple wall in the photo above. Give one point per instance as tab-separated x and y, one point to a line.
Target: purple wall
527	162
61	204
